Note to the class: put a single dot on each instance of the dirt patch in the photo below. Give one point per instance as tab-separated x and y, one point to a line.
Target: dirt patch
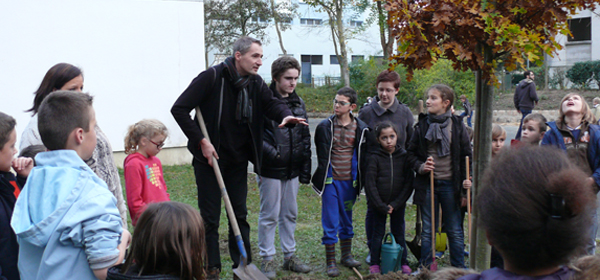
549	99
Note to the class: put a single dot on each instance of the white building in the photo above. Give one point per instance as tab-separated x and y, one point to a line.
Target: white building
309	41
584	45
137	58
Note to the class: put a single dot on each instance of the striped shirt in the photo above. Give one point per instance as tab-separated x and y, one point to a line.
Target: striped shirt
343	150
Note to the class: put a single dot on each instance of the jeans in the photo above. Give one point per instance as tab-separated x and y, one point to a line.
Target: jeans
451	217
525	113
209	202
468	118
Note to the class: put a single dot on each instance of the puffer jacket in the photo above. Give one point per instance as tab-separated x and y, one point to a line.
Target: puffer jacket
323	143
286	150
386	179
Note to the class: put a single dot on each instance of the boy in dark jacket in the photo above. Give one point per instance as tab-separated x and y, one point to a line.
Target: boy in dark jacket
10	188
286	164
341	145
468	109
385	107
440	144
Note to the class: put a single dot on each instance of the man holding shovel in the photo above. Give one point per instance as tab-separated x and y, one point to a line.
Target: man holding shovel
233	100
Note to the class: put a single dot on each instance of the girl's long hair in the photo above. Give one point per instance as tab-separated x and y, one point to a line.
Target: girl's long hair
168	239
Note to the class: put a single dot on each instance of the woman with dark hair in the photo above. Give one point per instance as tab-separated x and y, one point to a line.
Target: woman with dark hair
64	76
534	208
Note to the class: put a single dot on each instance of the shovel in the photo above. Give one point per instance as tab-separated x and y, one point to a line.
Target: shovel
415	244
469	201
244	270
433	266
441	238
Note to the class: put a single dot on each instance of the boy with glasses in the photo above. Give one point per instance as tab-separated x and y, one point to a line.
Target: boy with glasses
341	149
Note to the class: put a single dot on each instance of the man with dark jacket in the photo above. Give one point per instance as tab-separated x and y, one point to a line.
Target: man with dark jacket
286	164
233	100
525	98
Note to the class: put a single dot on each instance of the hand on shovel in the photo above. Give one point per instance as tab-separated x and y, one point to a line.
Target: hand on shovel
208	150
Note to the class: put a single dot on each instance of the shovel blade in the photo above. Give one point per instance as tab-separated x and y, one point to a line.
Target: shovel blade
249	272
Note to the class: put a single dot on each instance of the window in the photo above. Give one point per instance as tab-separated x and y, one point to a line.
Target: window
581	28
356	23
313	59
358	58
311	21
333	59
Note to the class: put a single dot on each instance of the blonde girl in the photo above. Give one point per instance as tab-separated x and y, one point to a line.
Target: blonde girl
575	134
144	182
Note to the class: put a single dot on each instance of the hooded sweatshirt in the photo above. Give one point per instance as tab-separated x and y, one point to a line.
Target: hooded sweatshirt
525	95
66	220
144	183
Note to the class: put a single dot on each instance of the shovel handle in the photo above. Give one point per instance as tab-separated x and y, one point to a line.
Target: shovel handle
468	199
228	207
432	218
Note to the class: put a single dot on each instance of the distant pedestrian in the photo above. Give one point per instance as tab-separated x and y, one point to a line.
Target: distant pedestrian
525	98
468	109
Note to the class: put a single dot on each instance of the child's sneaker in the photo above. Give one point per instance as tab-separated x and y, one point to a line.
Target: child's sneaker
439	255
406	269
374	269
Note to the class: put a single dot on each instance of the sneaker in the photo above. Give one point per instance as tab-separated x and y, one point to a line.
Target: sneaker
294	264
268	269
374	269
406	269
213	273
416	272
368	259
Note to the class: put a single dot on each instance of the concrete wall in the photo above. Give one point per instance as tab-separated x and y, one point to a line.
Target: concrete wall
137	56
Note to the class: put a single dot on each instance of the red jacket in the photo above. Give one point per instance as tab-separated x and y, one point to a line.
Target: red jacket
144	183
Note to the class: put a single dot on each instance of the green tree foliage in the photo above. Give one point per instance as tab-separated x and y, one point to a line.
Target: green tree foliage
583	73
227	20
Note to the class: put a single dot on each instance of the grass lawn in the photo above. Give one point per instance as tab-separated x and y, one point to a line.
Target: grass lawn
182	187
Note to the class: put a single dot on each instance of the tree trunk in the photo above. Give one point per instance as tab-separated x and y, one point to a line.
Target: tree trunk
386	40
276	21
344	70
480	250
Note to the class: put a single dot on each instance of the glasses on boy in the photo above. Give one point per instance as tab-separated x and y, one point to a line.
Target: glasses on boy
342	103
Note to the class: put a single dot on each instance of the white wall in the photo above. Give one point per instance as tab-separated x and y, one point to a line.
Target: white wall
137	56
573	52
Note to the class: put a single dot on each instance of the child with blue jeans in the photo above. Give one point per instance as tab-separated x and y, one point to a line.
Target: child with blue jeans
66	220
440	144
341	148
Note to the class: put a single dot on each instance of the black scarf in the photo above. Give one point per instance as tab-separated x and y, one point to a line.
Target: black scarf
243	110
437	131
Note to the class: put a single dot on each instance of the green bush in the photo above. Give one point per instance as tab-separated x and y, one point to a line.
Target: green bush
581	74
557	80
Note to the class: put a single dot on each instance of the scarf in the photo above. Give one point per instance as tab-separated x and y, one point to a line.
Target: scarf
243	110
437	132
